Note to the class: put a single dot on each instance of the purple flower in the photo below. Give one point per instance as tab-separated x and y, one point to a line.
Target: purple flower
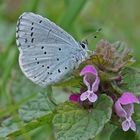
124	108
91	80
74	98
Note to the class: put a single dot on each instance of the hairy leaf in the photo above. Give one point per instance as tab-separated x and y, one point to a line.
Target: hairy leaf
119	134
36	108
14	128
106	132
131	80
72	122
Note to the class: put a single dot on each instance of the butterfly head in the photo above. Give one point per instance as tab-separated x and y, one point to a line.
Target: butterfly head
84	49
84	45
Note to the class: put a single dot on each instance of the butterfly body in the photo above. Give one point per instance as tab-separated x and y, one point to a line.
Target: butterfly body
47	52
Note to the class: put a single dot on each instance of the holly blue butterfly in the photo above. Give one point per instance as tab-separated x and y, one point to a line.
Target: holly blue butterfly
47	52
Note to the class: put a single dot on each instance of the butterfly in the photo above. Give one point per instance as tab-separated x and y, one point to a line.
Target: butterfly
47	52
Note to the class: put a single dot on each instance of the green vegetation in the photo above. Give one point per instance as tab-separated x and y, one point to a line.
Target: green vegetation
119	20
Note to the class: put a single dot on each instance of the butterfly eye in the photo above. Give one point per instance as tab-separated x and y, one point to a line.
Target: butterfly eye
83	45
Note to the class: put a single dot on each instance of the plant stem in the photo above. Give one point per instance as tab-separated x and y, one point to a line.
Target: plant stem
50	95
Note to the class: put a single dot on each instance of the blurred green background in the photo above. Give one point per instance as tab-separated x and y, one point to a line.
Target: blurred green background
119	20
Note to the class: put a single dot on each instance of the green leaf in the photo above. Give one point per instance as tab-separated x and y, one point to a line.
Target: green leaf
74	122
138	128
136	118
106	132
8	126
18	87
36	112
14	128
72	82
119	134
131	80
137	112
35	108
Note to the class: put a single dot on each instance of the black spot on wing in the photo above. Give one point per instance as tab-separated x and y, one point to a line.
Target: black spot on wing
32	28
31	34
40	21
59	70
32	40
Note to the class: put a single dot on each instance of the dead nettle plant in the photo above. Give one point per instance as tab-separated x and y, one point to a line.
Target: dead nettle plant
108	87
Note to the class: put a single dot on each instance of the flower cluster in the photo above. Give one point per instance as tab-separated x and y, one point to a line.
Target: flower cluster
124	106
93	86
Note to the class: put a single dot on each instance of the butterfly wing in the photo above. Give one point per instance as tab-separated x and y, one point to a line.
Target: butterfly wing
47	52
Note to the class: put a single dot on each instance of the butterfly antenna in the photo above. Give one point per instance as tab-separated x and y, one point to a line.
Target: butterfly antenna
93	35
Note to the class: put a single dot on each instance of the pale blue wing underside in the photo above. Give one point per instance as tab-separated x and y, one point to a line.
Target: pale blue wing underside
47	52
